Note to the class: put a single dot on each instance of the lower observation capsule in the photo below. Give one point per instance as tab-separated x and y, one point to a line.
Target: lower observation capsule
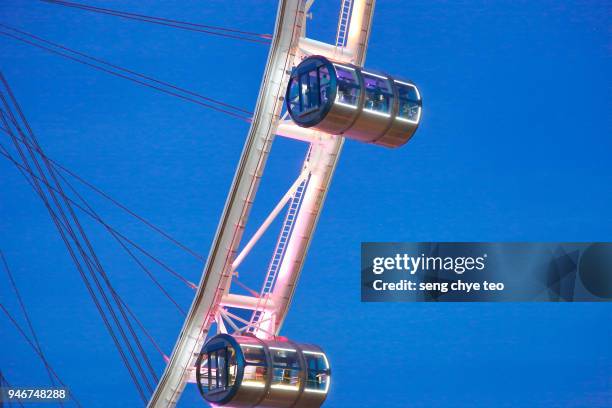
343	99
245	371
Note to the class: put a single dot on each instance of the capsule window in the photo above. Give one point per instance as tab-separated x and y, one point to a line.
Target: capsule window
324	84
409	102
309	91
348	86
286	368
232	366
378	94
318	371
213	371
294	95
221	369
255	370
253	354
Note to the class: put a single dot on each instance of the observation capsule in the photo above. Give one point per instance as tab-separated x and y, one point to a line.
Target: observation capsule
245	371
343	99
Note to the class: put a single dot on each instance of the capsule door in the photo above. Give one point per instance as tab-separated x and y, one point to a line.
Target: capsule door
311	91
217	370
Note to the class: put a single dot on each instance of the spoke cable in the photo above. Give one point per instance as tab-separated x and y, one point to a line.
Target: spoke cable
105	195
98	219
183	25
5	153
25	314
37	351
5	383
125	248
88	263
91	256
223	109
63	229
129	71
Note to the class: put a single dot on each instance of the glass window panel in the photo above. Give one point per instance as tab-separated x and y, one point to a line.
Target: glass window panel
313	89
408	102
317	380
284	358
253	354
221	369
294	95
232	366
255	371
407	92
324	84
378	94
254	375
203	381
286	367
318	371
304	91
212	370
310	91
348	86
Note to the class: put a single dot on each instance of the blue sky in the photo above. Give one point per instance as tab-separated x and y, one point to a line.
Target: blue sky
514	146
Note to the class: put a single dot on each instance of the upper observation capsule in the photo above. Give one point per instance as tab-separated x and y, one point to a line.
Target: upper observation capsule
343	99
245	371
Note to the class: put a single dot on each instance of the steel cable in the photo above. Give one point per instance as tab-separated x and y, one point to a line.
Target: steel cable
183	25
143	83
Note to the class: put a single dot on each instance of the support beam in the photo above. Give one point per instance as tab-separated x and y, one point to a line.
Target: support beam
220	324
313	47
322	162
271	217
323	157
216	276
242	302
224	314
287	128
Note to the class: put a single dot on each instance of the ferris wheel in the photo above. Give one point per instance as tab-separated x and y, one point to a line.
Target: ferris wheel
244	362
312	93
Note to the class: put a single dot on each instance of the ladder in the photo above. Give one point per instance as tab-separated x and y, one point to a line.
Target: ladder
279	251
343	22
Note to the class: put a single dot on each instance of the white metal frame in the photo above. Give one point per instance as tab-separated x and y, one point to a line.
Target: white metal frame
305	197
